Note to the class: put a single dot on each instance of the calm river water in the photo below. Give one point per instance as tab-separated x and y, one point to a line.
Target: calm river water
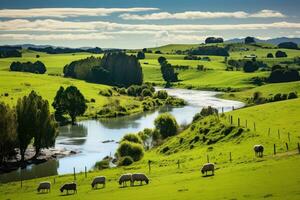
87	137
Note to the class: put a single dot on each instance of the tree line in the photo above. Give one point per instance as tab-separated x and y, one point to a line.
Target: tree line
30	122
37	67
58	50
10	51
113	69
209	50
167	70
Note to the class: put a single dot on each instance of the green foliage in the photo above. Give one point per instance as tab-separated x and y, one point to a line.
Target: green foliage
166	125
106	92
249	40
70	101
210	40
270	55
167	70
113	69
10	51
174	101
136	90
140	55
103	164
206	111
113	109
131	137
288	45
280	54
283	75
8	132
36	67
209	50
146	93
125	161
134	150
161	94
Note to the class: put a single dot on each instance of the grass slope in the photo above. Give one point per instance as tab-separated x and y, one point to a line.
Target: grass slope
246	177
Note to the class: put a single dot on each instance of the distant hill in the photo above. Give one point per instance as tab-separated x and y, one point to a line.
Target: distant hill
274	41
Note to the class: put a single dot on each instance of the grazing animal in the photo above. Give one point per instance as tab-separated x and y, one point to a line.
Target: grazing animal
98	180
69	186
124	179
139	177
44	186
208	167
259	150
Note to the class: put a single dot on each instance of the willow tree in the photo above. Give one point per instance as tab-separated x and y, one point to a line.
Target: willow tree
8	134
35	122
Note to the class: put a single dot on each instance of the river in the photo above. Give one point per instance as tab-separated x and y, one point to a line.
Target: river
87	136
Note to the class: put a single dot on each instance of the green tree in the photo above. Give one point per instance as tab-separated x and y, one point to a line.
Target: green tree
74	102
166	124
8	131
134	150
58	105
131	137
140	55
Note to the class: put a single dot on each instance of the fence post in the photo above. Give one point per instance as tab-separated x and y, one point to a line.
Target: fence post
274	149
54	180
278	134
232	107
246	124
230	158
207	157
149	165
178	164
269	131
74	173
287	146
231	120
298	147
254	126
21	177
85	172
289	137
238	121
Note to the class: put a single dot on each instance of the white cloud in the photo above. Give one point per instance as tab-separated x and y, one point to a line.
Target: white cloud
102	26
66	12
203	15
50	37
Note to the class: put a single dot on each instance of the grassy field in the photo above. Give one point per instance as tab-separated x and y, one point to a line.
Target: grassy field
245	177
18	84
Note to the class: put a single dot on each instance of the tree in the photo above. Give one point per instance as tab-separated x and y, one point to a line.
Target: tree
270	55
37	67
161	60
8	131
250	66
288	45
140	55
249	40
283	75
45	126
74	103
58	105
131	137
166	125
280	54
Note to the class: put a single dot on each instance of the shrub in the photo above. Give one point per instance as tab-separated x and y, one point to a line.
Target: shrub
106	92
292	95
270	55
277	97
103	164
93	100
122	91
250	66
166	124
131	137
125	161
274	67
161	94
134	150
283	75
147	93
280	54
140	55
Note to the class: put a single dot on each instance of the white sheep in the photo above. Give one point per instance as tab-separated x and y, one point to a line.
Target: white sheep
208	167
139	177
124	179
98	180
44	186
259	150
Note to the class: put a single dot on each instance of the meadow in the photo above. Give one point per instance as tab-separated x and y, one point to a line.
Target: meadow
274	176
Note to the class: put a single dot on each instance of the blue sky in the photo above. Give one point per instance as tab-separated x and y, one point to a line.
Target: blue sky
143	23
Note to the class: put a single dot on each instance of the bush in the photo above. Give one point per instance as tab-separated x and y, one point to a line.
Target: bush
36	67
131	137
103	164
134	150
122	91
249	40
93	100
210	40
166	124
250	66
292	95
161	94
125	161
277	97
283	75
140	55
147	93
270	55
280	54
106	92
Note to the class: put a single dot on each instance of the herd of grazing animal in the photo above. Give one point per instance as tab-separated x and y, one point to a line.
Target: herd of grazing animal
132	178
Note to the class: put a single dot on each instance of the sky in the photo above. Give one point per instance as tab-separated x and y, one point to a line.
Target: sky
143	23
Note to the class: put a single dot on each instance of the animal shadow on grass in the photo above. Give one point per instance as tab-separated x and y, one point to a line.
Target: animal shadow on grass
41	193
99	188
208	175
67	194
